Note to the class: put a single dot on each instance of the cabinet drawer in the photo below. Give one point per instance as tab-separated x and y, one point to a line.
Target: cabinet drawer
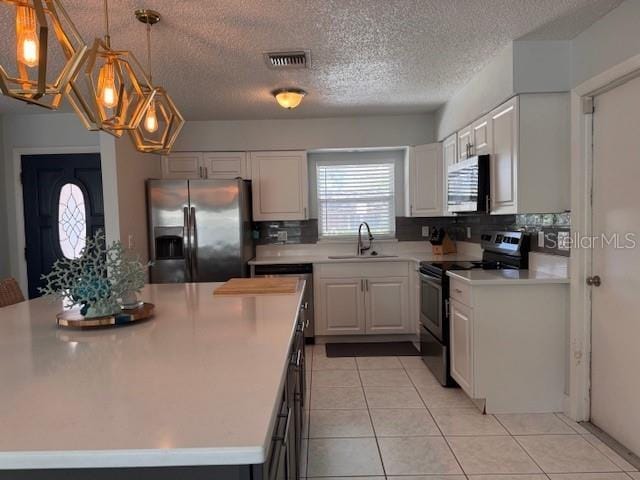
460	291
362	269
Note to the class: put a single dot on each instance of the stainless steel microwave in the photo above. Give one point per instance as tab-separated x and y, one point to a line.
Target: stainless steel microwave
468	185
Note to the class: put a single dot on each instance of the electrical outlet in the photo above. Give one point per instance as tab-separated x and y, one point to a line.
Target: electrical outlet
131	241
282	236
541	239
468	232
425	231
563	241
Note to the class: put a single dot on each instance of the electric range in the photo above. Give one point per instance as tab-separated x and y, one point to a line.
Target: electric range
500	250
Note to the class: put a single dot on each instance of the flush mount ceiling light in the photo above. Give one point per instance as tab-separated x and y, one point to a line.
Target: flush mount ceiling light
289	98
34	80
112	88
162	122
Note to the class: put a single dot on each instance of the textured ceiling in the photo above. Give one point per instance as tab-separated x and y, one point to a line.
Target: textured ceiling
368	56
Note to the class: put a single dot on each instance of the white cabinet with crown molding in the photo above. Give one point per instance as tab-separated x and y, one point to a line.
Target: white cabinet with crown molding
280	185
424	181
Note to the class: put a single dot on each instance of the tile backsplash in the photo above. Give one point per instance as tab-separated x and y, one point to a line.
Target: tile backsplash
410	228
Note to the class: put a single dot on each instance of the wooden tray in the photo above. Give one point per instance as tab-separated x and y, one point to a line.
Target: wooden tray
74	319
258	286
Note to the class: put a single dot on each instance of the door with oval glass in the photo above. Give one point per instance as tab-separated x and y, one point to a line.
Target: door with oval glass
63	204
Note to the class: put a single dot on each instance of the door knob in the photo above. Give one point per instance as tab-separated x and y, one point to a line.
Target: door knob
594	281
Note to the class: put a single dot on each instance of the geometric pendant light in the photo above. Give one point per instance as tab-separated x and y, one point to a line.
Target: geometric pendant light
111	88
162	121
34	79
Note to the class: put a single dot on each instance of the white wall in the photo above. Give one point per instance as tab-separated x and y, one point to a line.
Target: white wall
133	168
314	133
541	66
488	89
32	132
609	41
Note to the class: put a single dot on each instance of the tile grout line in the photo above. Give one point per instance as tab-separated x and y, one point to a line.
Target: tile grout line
515	439
373	428
437	426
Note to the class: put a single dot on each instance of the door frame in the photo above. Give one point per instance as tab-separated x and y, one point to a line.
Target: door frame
19	233
578	405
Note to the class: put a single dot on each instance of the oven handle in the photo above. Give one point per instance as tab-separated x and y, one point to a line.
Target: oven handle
429	278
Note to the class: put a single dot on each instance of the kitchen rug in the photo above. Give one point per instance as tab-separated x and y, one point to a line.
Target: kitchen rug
371	349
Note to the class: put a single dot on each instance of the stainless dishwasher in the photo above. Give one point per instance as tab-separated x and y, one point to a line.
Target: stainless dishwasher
300	270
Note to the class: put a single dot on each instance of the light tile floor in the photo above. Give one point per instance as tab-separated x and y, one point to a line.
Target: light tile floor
388	418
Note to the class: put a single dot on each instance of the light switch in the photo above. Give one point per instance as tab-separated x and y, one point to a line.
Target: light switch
425	231
282	236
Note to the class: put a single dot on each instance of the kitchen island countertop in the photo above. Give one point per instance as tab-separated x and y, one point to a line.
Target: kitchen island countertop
199	384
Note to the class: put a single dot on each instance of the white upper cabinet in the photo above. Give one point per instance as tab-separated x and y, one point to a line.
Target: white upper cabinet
225	165
450	157
212	165
182	165
424	181
280	185
530	161
528	138
481	136
465	143
504	158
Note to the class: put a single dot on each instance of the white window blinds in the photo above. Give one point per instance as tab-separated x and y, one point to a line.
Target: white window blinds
349	194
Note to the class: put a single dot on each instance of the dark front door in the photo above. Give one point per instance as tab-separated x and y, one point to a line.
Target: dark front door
62	205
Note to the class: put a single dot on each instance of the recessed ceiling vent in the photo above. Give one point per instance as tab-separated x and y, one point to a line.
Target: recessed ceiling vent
297	59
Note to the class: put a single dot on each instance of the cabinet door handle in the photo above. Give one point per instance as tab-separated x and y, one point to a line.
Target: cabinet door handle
366	285
206	172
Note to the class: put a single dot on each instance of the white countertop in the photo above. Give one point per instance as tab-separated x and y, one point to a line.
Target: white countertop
197	385
505	277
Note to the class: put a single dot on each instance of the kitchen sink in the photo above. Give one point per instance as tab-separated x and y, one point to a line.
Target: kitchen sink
360	257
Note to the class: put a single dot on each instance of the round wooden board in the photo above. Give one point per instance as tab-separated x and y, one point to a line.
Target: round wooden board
73	318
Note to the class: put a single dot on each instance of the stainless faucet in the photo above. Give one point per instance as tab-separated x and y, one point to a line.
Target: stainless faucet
361	247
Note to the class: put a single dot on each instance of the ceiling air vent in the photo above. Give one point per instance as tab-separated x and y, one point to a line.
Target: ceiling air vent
297	59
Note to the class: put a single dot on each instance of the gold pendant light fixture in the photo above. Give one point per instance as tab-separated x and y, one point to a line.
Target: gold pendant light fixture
34	80
162	122
111	91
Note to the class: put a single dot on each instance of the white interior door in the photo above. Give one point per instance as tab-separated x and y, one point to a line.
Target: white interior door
615	389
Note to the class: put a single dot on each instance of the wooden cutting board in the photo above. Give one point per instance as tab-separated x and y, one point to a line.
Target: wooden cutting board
257	286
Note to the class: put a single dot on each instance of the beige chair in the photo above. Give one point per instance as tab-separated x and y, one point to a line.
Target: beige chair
10	292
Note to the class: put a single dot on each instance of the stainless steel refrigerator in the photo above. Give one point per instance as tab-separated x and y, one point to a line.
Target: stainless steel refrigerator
199	230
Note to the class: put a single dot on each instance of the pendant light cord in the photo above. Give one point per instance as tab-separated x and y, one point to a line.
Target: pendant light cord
107	37
149	51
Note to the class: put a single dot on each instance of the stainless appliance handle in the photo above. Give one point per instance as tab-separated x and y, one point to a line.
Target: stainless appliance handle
429	278
194	241
187	234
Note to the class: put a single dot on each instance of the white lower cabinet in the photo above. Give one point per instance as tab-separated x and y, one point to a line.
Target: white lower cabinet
343	308
461	321
387	305
508	344
362	299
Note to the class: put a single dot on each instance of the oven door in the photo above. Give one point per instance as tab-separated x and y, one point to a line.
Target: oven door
431	305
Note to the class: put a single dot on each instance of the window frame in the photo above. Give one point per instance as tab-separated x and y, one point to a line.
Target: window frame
359	160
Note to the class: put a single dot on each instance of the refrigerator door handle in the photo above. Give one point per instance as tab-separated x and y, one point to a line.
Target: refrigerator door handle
187	235
194	244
